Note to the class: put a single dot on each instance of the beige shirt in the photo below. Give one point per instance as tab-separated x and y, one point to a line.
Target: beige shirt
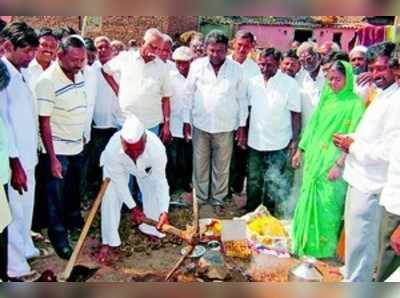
65	102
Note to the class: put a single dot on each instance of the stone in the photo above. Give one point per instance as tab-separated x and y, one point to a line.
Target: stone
212	266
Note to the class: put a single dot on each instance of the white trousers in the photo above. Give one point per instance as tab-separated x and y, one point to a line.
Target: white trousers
363	216
111	215
20	244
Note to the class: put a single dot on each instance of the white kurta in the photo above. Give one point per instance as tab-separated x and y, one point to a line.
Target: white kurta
390	198
141	86
271	105
149	171
310	91
177	103
217	103
90	77
18	109
368	159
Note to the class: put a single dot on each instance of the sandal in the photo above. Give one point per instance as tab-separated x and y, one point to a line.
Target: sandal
43	253
38	237
29	277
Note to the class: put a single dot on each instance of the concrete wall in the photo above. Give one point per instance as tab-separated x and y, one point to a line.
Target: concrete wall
326	34
282	36
271	36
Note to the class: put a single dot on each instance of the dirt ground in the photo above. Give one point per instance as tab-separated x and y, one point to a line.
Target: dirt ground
139	260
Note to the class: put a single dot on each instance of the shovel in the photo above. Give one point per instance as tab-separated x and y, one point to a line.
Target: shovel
81	273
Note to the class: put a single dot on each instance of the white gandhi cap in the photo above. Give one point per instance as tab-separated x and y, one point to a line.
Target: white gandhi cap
132	130
183	54
356	49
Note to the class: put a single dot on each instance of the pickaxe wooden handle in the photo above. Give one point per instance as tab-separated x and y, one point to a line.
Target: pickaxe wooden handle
85	230
170	230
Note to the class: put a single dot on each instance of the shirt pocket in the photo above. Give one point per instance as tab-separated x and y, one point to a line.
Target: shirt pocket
151	85
225	86
277	102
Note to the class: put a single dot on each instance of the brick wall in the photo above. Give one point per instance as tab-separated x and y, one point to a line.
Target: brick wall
119	27
49	21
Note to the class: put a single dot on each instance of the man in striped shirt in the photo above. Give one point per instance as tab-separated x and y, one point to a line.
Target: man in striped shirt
63	108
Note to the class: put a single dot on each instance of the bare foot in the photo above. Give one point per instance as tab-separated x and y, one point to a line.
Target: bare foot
105	255
239	200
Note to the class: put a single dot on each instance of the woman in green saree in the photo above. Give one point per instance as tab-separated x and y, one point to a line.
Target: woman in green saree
319	211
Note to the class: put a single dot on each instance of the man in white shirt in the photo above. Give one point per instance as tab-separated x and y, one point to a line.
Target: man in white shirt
274	129
197	46
144	89
243	44
107	117
44	57
366	167
358	59
179	152
139	152
311	79
91	88
290	63
327	48
63	111
18	109
5	214
91	51
389	258
165	51
216	98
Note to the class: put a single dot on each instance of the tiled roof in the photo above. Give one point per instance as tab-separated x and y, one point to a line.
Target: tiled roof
345	22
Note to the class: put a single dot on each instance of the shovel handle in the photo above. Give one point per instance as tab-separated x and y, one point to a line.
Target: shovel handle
85	230
166	228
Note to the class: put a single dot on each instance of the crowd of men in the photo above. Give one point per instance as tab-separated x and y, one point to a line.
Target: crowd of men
159	118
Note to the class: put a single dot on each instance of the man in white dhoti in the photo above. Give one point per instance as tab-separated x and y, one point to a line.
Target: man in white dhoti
18	111
139	152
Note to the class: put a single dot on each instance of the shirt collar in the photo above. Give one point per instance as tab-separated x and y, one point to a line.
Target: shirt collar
306	74
223	66
63	76
137	56
11	68
392	88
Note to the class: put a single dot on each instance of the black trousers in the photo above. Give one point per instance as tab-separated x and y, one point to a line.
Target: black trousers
39	220
179	166
92	175
3	252
238	170
63	199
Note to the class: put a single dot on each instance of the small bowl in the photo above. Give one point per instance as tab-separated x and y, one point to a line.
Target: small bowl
214	245
197	252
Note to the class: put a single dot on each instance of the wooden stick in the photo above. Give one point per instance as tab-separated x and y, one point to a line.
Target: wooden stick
180	262
195	212
85	230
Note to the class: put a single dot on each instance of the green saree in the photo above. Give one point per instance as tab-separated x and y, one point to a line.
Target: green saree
319	210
